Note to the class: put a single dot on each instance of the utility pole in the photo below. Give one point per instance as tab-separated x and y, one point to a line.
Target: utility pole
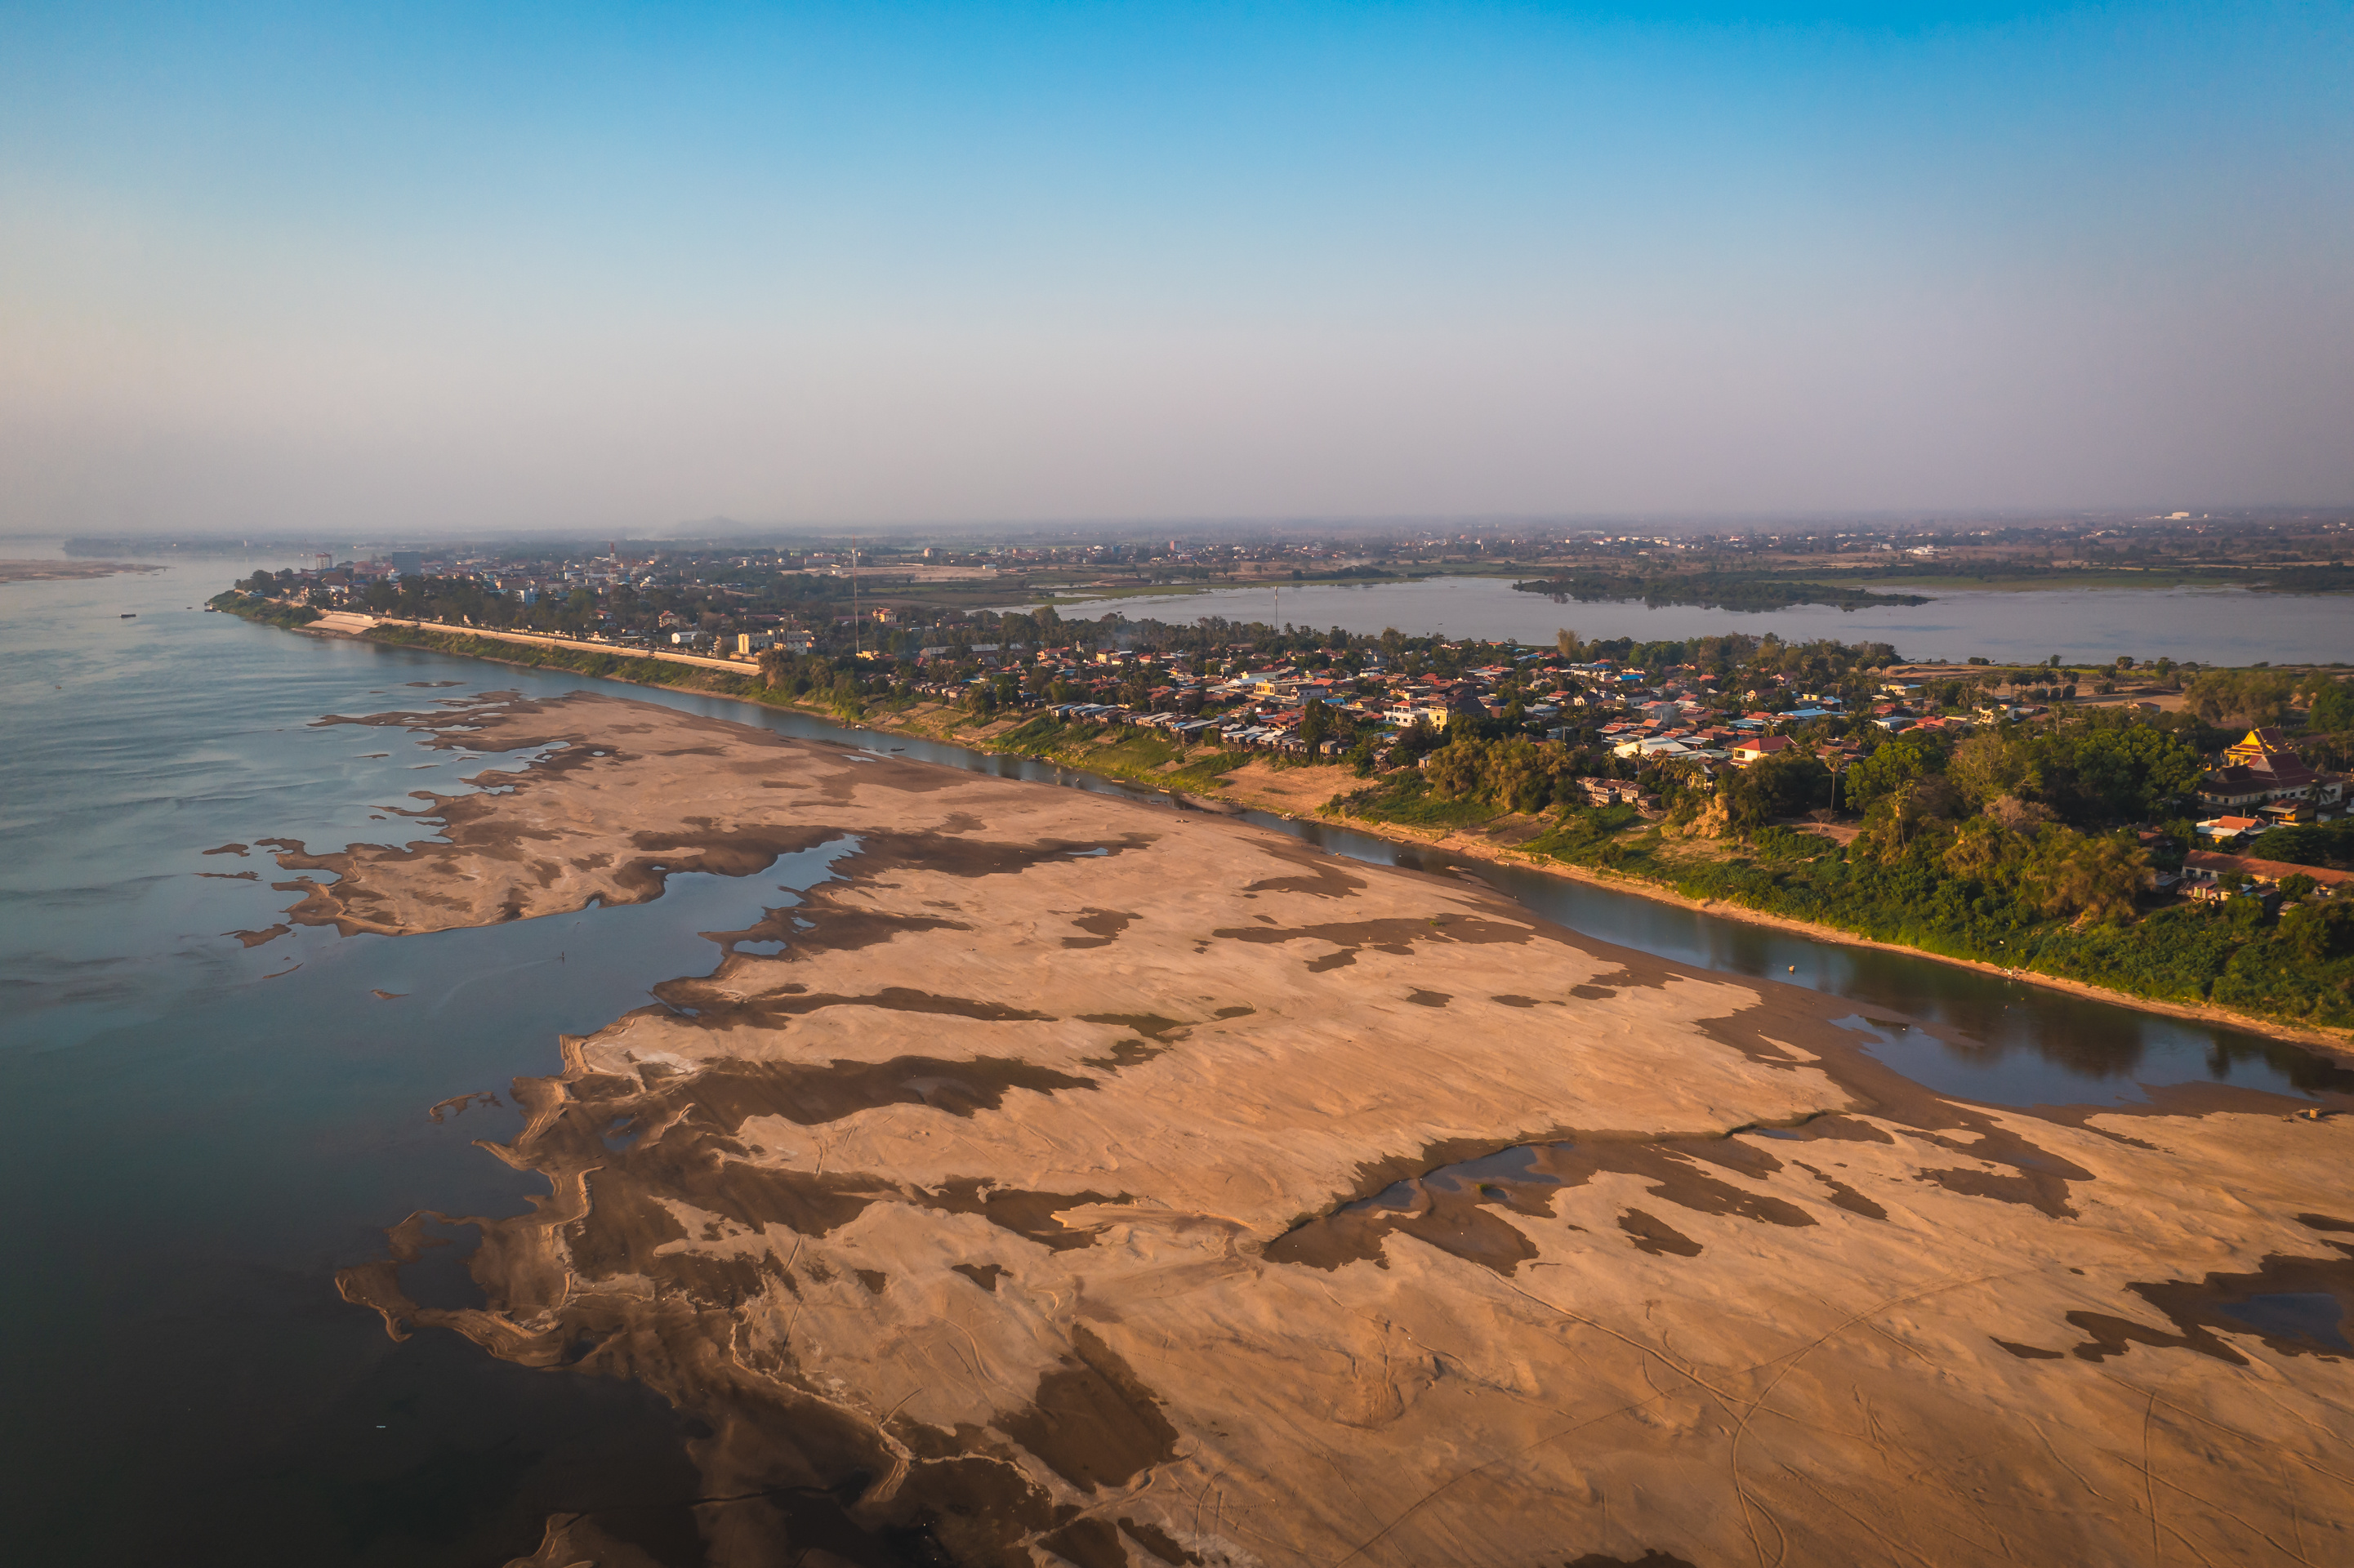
857	631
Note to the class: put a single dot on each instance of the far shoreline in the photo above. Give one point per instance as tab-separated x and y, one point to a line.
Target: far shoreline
2338	1045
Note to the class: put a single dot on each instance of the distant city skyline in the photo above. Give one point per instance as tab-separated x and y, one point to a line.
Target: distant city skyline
606	268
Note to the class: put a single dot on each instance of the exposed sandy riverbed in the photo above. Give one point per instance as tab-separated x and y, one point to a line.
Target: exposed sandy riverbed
1019	1188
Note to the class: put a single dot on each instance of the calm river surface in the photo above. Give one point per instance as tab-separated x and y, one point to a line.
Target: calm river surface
206	1132
2210	626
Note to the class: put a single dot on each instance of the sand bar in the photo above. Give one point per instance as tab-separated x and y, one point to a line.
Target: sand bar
1082	1180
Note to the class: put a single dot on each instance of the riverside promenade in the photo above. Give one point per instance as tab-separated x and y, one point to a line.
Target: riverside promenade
353	623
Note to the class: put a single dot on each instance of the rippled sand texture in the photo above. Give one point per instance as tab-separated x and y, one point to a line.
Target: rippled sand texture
1092	1181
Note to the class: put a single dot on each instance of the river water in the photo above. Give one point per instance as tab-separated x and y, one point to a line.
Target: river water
2209	626
206	1132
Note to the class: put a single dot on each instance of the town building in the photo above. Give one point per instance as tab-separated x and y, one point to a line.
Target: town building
2260	770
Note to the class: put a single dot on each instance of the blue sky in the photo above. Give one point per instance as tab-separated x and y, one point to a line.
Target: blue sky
616	267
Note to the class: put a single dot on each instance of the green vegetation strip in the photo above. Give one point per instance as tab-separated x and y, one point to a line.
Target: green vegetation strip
2003	850
262	611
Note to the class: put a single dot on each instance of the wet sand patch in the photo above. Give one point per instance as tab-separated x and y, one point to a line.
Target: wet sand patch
2296	1306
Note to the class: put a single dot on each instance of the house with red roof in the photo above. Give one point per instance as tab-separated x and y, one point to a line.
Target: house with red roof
1756	748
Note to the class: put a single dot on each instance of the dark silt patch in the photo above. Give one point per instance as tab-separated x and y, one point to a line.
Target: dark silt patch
2032	1352
1090	1542
713	1009
1651	1558
1320	876
1125	1053
1655	1236
626	1227
2014	1187
1460	1207
1093	1421
1395	936
959	856
733	1090
1151	1025
1421	998
2297	1305
1102	926
1158	1542
834	929
985	1275
1847	1197
1034	1216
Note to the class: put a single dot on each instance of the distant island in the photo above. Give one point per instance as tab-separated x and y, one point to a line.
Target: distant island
1710	591
66	571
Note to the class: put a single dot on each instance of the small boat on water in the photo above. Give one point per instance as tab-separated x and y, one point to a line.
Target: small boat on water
129	615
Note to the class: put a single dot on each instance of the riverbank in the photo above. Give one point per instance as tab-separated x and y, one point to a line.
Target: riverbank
1455	841
1224	781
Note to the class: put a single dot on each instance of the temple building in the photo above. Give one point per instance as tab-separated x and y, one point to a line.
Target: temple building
2261	772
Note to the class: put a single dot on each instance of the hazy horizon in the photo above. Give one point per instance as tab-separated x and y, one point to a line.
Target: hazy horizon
610	268
720	532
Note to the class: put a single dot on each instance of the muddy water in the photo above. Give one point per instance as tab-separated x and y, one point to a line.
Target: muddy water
206	1130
